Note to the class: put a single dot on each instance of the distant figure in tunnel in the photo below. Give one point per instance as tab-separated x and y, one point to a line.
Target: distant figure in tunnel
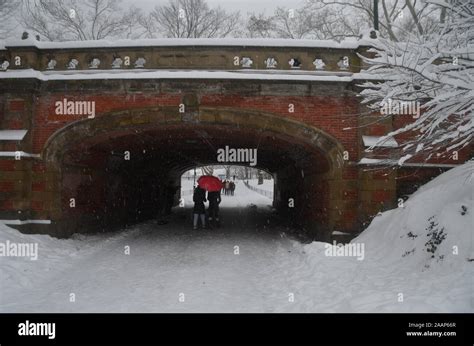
214	198
199	212
227	187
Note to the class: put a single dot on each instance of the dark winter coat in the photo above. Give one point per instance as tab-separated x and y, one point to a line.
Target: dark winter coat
214	198
199	197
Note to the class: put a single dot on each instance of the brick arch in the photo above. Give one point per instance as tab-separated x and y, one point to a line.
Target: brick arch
318	215
225	116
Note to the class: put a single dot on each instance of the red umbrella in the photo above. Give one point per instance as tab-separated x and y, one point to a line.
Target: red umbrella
210	183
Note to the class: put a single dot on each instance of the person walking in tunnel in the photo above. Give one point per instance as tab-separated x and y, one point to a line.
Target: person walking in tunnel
223	187
214	198
199	211
227	187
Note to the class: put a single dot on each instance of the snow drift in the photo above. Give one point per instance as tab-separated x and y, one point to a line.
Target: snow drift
432	230
418	257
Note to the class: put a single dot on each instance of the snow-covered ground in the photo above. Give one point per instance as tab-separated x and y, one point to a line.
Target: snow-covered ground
270	273
267	184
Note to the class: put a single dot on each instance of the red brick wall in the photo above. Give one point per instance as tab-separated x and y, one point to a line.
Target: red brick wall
336	115
47	122
330	114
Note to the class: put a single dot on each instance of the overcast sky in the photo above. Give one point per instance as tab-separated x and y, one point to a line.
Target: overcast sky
243	5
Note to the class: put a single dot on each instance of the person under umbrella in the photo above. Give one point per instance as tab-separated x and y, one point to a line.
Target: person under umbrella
199	211
213	185
210	183
214	198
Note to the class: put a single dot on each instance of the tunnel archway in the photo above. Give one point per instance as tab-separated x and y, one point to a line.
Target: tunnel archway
113	166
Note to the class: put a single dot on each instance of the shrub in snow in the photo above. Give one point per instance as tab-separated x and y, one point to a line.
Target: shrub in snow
435	237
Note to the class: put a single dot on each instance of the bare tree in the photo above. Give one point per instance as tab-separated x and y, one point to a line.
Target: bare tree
227	171
309	21
59	20
366	9
294	23
8	8
259	25
190	19
397	18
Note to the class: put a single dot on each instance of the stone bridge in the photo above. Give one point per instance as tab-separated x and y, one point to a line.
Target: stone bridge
90	131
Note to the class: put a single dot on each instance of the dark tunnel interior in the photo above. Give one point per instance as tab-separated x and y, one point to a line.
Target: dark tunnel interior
115	178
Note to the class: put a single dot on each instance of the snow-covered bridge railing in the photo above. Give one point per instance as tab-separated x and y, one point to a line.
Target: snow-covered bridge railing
262	192
269	55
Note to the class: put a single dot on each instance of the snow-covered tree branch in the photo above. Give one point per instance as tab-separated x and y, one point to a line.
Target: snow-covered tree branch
190	19
397	18
7	10
310	21
59	20
435	72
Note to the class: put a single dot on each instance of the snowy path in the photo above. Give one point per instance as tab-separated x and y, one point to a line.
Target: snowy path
168	260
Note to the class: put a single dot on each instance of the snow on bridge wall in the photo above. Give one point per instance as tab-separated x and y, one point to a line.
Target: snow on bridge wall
304	121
